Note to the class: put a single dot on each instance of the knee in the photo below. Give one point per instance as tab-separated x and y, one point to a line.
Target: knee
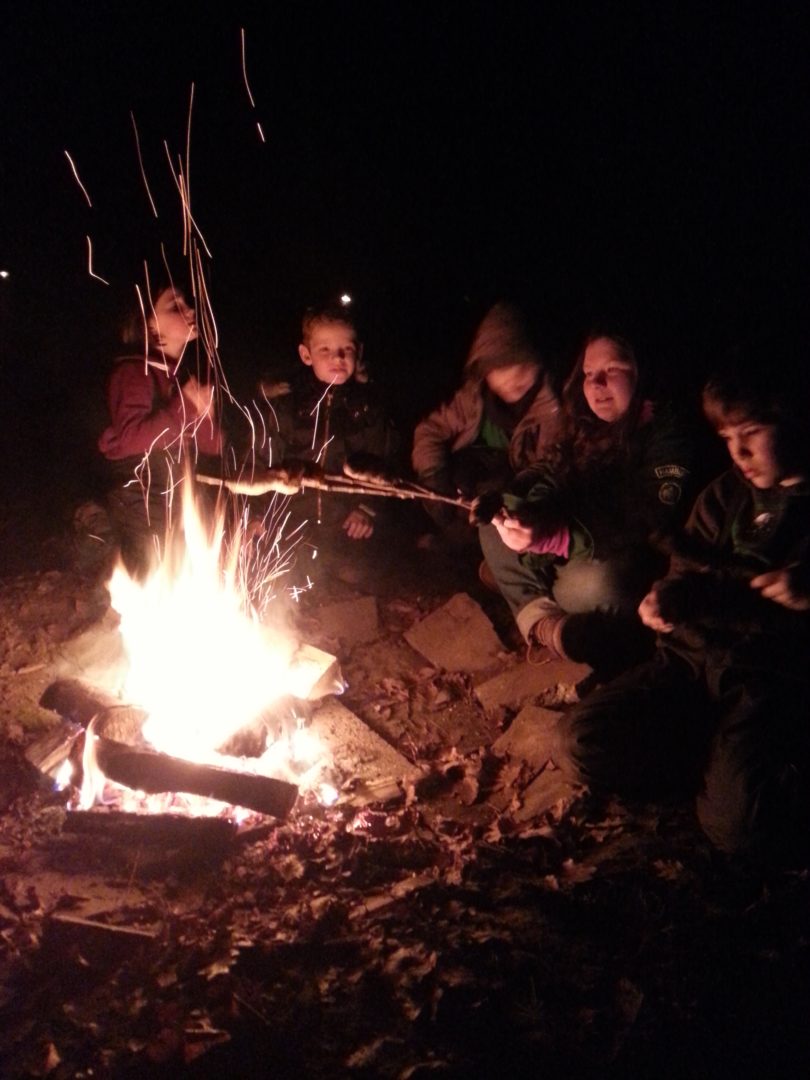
758	817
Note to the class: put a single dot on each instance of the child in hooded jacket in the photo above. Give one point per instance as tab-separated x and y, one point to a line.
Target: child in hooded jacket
499	421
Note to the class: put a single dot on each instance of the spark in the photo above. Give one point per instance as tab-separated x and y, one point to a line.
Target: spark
244	71
140	162
188	217
90	271
78	181
247	85
188	134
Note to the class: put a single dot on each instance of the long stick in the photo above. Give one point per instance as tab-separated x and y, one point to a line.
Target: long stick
278	481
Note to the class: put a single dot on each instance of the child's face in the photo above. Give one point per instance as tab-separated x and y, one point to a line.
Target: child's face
511	383
332	352
608	381
752	446
172	323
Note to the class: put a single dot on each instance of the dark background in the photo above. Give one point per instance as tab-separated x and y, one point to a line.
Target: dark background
641	163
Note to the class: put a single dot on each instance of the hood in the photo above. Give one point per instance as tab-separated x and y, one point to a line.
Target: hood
501	340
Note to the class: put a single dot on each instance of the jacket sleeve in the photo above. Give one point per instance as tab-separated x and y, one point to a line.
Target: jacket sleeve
140	420
451	426
665	476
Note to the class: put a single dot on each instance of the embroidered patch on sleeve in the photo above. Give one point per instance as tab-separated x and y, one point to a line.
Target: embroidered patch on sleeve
675	472
670	493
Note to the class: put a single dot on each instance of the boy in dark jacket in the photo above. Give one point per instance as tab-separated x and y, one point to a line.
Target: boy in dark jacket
325	415
723	702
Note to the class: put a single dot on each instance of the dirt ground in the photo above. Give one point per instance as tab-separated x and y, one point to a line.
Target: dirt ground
442	933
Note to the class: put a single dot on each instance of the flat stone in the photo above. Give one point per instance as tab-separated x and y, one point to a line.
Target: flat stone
351	622
358	751
523	682
529	737
457	637
548	790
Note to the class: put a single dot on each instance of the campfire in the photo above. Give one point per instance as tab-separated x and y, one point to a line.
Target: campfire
211	700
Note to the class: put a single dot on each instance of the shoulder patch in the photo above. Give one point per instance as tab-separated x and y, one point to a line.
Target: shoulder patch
670	493
677	472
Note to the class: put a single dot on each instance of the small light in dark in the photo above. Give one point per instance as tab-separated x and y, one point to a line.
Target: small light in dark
345	299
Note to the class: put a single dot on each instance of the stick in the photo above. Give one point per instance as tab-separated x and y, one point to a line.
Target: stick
278	481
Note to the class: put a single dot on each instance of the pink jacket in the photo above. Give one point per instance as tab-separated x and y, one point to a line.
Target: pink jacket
148	411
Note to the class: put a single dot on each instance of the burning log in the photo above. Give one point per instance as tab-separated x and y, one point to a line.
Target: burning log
76	700
49	752
151	772
122	755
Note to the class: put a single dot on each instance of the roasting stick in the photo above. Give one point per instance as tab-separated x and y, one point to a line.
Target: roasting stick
282	483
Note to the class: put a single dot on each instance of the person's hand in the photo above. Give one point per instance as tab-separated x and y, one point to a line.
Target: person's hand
780	586
271	390
516	536
485	506
358	525
199	396
650	614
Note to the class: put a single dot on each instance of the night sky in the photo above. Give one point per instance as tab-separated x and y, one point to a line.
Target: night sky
640	163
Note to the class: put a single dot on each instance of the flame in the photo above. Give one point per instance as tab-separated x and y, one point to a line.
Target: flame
201	662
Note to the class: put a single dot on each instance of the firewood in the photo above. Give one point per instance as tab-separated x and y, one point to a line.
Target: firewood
49	751
145	770
76	700
102	945
142	830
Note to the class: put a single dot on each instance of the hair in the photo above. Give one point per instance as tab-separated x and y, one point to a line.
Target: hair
757	393
585	439
134	329
329	312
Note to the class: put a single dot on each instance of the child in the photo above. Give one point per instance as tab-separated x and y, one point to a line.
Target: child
569	542
328	413
498	422
725	695
162	420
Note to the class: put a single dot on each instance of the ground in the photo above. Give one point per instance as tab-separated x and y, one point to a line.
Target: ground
443	933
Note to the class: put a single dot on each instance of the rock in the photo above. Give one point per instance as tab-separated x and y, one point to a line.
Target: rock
550	790
524	682
529	737
457	637
351	622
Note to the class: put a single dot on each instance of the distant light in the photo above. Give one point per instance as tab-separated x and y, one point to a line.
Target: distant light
4	274
345	299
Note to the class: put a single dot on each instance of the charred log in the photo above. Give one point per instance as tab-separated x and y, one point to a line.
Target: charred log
138	830
145	770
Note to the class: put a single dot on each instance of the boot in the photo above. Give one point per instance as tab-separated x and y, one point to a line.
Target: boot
547	634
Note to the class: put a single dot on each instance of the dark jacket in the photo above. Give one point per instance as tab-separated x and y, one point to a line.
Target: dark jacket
735	532
619	503
326	425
